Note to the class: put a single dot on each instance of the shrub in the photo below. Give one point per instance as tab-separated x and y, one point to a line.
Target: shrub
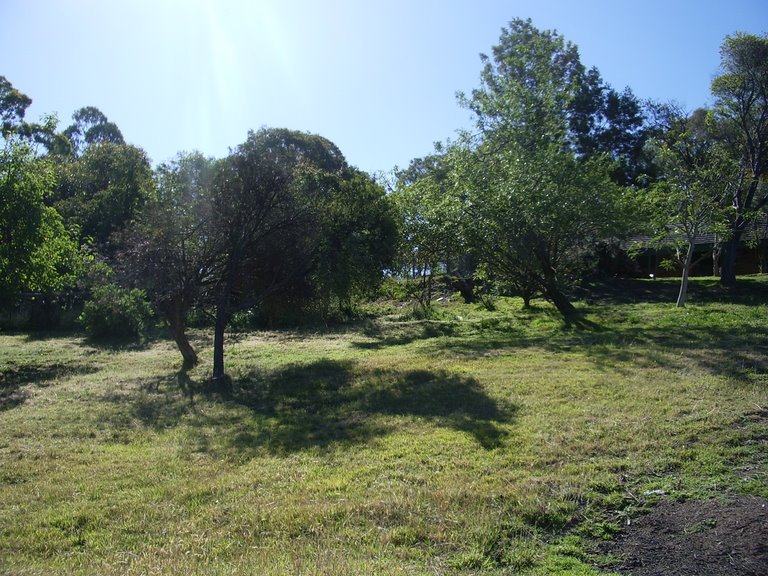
115	312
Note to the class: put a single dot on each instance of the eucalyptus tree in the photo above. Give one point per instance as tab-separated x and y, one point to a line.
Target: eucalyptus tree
91	126
740	114
13	107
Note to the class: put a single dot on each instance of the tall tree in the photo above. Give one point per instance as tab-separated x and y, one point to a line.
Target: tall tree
263	228
168	251
687	200
13	107
431	211
91	126
540	203
740	114
357	241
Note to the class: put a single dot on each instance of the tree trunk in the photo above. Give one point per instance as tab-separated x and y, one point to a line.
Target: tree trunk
182	342
730	250
219	379
177	328
553	293
684	281
218	347
716	252
466	289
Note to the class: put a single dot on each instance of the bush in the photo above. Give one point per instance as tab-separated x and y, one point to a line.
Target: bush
115	312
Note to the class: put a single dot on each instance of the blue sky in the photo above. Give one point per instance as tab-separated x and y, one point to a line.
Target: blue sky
378	78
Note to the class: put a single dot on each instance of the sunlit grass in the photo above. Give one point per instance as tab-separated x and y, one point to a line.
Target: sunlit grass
475	442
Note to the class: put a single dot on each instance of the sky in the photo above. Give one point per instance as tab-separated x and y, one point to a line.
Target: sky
377	78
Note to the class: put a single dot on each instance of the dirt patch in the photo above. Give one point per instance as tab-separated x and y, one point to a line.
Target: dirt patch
714	538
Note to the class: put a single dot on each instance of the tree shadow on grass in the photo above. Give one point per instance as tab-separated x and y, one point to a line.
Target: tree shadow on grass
403	333
738	351
15	381
331	402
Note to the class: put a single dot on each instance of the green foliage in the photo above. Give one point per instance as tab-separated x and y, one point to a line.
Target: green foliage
37	253
103	190
697	178
740	121
432	208
114	313
13	106
91	126
538	208
356	242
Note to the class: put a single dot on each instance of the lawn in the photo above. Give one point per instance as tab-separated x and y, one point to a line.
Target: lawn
477	441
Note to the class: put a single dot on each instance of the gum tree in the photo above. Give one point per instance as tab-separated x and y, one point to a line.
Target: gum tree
740	115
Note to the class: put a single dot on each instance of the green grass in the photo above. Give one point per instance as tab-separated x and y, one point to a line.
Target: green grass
475	442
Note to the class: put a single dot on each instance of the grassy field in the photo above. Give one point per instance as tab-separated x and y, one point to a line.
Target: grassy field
475	442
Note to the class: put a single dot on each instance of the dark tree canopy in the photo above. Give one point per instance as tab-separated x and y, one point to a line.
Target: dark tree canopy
104	189
741	115
91	126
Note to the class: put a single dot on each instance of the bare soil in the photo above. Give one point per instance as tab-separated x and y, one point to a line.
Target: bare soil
712	538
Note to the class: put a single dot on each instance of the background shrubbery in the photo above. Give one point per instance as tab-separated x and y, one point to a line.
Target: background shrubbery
115	312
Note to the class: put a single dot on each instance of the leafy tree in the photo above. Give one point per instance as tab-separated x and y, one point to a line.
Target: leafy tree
168	252
357	240
688	198
603	121
36	251
103	190
263	229
539	203
740	115
13	107
281	220
431	208
91	126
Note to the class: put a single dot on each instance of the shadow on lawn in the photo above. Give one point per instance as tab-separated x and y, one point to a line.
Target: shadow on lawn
737	350
321	404
328	401
14	381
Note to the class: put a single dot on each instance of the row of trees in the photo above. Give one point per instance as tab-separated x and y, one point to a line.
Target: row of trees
281	224
558	164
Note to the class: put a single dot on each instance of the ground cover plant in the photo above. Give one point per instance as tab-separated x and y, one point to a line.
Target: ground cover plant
470	440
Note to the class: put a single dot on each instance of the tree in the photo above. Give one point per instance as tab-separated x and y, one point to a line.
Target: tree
603	121
264	230
282	219
740	115
357	241
13	106
539	203
431	213
168	251
688	198
36	251
91	126
103	190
